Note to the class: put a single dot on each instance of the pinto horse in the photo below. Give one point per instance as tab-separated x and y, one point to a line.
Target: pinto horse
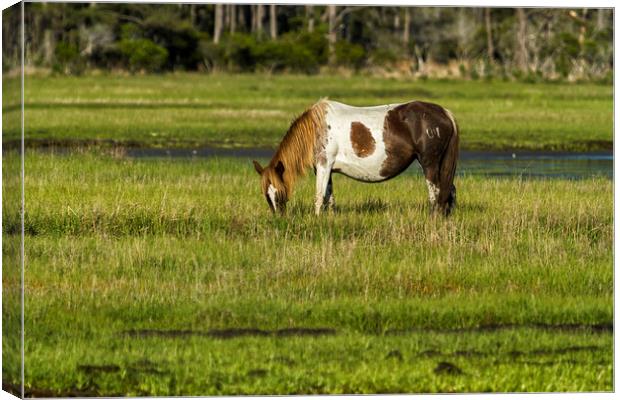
369	144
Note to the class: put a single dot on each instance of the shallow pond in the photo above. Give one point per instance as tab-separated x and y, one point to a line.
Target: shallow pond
525	164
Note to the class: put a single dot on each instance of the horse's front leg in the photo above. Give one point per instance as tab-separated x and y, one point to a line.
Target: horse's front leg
323	188
331	202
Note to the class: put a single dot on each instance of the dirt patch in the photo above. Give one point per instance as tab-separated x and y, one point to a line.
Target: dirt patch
229	333
560	350
596	328
447	368
30	391
257	373
145	366
236	332
395	354
174	333
92	369
513	353
305	332
430	353
469	353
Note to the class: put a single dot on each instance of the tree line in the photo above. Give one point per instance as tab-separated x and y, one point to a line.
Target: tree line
540	43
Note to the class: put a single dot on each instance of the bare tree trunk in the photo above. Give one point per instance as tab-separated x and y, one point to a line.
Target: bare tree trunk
406	24
396	20
582	29
48	46
226	9
192	14
521	48
331	34
310	18
258	19
600	20
233	18
219	16
273	23
488	26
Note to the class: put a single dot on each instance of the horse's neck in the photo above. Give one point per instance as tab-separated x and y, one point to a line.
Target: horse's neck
297	151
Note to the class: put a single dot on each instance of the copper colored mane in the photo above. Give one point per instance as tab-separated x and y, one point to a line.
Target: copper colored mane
302	143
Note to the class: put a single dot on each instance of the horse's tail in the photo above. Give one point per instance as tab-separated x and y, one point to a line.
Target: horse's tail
447	191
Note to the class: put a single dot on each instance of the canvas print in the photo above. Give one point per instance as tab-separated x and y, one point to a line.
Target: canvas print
270	199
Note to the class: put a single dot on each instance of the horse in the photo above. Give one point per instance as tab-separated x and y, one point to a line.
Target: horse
368	144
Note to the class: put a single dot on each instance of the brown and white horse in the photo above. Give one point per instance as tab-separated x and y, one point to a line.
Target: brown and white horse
370	144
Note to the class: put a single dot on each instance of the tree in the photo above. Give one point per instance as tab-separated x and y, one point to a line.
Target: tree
257	19
310	18
273	23
406	26
217	30
521	56
489	31
232	15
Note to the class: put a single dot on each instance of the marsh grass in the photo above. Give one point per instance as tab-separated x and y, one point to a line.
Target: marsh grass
184	110
523	269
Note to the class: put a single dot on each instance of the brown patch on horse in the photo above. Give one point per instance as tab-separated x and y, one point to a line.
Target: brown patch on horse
416	130
399	146
361	139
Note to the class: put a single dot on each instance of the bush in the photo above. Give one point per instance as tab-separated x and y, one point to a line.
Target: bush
286	53
295	52
350	54
177	36
383	56
213	55
241	51
143	54
67	59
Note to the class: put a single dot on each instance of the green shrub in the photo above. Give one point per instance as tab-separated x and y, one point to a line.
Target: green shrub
143	54
241	51
213	55
244	52
349	54
177	36
383	56
67	59
567	48
286	53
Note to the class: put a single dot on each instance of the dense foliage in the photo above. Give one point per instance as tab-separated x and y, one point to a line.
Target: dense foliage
530	44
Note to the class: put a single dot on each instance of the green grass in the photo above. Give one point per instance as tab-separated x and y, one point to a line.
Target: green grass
515	289
184	110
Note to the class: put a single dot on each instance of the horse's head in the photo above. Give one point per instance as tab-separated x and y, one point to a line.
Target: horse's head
272	185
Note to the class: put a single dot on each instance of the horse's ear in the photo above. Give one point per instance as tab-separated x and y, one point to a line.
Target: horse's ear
257	167
280	169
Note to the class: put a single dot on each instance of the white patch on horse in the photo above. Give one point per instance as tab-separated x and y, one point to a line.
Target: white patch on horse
431	132
271	191
339	149
433	192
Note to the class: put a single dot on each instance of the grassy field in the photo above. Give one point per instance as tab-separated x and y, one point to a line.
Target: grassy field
185	110
171	277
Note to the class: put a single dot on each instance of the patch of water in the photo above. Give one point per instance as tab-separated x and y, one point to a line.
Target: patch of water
524	164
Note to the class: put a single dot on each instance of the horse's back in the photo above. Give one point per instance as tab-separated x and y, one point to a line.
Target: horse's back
377	143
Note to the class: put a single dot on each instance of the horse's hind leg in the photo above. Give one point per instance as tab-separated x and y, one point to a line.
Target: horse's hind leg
439	201
431	173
